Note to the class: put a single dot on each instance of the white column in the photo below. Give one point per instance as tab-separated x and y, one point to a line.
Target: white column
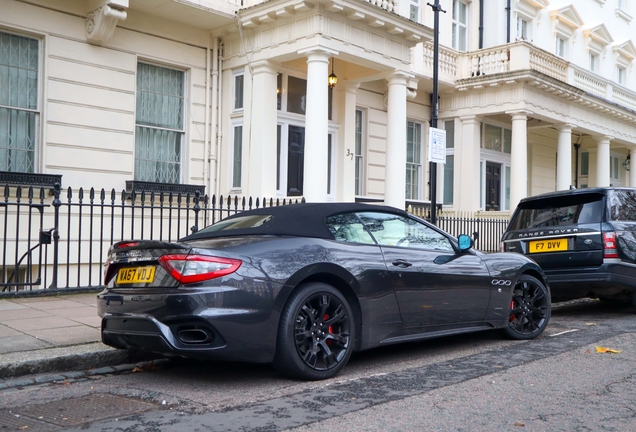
262	152
603	161
467	148
345	107
632	169
395	172
316	126
519	157
564	157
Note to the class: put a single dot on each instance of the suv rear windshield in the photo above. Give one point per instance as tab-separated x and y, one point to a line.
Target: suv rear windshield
561	211
622	205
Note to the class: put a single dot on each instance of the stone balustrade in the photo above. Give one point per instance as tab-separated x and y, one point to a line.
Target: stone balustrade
388	5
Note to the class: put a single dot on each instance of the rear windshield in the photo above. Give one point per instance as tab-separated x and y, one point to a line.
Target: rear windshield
241	222
560	211
623	205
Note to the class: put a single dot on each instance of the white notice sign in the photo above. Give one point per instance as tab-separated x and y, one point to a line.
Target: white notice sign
436	145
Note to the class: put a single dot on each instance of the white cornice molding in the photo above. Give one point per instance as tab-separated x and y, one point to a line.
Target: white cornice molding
372	13
101	22
567	16
622	14
624	49
552	86
598	34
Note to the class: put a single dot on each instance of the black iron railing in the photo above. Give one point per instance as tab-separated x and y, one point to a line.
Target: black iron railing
487	233
62	241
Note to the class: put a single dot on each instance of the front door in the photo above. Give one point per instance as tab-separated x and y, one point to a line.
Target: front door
493	186
434	285
295	160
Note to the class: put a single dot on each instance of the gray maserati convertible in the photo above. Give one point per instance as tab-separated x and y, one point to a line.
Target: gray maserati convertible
303	286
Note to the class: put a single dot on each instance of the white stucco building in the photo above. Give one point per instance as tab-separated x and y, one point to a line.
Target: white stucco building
535	96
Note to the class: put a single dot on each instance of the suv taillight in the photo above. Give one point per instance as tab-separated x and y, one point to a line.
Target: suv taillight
609	245
197	268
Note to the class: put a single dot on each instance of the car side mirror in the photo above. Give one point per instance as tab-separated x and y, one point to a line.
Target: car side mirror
465	242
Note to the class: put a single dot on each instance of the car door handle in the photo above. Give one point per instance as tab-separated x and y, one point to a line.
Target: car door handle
402	263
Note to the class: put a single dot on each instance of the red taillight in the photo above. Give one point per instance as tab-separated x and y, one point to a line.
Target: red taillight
196	268
609	245
125	245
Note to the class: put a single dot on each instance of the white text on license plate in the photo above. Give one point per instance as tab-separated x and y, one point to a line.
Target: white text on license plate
553	245
132	275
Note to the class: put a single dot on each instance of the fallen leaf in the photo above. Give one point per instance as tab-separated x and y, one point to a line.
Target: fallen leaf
607	350
587	351
519	424
137	369
590	324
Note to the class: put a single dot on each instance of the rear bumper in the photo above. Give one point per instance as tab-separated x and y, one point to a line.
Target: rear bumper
189	324
612	277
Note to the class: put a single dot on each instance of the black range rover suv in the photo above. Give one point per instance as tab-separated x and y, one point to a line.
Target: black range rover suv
584	240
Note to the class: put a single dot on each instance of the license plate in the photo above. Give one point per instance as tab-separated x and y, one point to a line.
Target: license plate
553	245
131	275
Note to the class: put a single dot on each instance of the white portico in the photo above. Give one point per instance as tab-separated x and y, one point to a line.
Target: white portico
295	133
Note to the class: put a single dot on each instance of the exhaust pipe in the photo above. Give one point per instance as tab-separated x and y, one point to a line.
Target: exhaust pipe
194	336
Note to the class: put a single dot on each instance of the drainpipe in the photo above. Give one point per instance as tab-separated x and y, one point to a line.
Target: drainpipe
206	135
216	95
508	17
481	24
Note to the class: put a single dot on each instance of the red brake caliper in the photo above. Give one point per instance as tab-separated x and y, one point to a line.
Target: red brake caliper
330	329
512	306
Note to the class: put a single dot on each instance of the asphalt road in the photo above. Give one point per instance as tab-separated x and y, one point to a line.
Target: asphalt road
463	383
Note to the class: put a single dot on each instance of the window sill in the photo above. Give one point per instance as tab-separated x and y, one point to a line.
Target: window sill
165	188
29	179
622	14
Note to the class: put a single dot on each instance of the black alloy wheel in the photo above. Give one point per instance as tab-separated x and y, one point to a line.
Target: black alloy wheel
316	333
529	309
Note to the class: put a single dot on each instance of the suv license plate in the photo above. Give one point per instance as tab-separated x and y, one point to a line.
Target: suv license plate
130	275
553	245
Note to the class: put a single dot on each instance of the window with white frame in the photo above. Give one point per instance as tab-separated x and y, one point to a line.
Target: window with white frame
460	26
523	28
359	152
413	160
593	62
330	164
496	144
19	115
621	74
237	155
414	11
239	83
159	127
449	166
614	172
561	46
585	163
620	4
496	138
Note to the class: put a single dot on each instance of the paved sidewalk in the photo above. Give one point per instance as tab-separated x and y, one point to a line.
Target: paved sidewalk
50	334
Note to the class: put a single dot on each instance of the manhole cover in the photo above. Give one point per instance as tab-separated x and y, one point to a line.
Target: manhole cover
11	421
89	408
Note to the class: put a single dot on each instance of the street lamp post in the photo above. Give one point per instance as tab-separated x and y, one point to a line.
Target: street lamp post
434	105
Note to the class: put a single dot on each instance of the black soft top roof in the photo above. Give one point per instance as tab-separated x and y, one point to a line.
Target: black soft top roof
297	220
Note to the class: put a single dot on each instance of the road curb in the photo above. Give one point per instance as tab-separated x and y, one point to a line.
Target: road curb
71	361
